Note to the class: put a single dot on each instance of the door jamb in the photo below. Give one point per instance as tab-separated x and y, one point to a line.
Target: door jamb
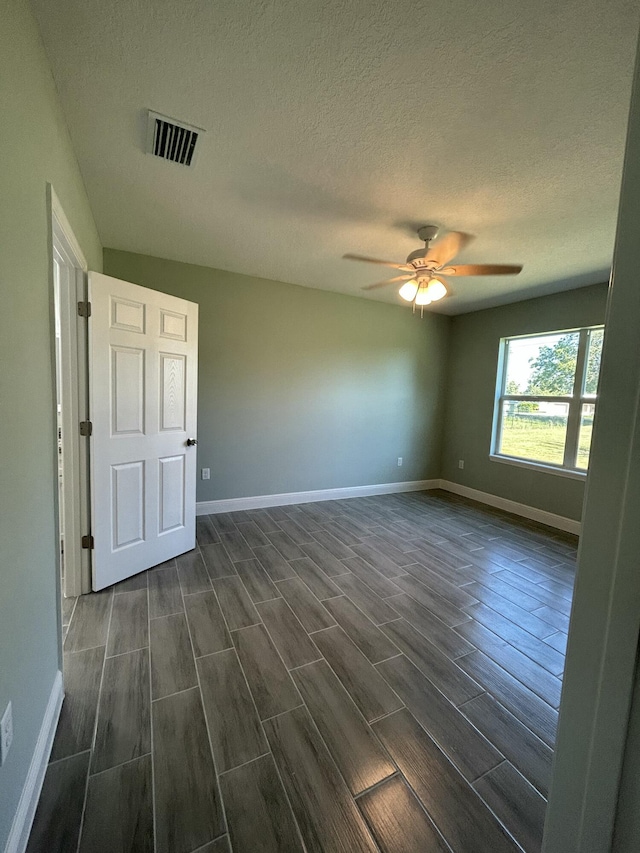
74	393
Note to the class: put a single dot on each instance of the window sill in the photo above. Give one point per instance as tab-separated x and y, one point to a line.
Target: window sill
539	466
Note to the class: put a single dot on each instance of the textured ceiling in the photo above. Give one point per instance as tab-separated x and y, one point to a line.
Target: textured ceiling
338	126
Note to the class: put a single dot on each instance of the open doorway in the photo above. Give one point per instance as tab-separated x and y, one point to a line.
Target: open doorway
69	278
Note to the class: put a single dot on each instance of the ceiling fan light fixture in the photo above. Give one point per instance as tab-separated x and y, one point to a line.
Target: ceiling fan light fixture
422	296
436	290
408	290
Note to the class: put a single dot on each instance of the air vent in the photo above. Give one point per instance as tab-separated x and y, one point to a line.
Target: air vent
172	140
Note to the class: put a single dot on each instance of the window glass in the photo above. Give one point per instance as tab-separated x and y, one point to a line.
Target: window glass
584	438
594	354
542	366
534	431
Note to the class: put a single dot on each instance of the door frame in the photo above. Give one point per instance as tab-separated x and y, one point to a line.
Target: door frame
583	814
73	373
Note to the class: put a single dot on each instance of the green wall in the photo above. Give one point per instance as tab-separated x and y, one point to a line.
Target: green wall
303	389
471	384
34	149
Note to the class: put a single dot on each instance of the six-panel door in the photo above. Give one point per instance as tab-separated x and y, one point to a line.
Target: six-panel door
143	351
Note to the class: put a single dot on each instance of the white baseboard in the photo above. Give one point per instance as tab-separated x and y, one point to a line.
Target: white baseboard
531	512
261	501
23	819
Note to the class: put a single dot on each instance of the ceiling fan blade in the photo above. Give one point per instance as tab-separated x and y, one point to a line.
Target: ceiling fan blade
448	247
481	269
388	281
396	266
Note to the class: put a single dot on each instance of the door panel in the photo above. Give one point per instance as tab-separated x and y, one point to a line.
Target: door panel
172	497
143	352
127	391
173	400
127	495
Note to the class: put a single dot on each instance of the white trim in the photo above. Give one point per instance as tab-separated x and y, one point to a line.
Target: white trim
531	512
288	498
63	222
72	373
571	473
260	501
23	818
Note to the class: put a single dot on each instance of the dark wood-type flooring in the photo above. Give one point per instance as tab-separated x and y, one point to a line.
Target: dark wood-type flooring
376	674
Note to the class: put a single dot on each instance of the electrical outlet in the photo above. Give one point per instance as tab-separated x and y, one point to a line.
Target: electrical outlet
206	473
6	733
460	463
399	461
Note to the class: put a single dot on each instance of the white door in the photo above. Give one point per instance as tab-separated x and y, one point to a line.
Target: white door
143	365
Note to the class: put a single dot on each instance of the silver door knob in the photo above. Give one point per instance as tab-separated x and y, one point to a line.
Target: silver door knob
191	442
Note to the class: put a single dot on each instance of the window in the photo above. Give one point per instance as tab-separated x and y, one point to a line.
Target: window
546	398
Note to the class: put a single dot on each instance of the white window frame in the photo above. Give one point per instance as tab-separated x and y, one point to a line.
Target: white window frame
575	403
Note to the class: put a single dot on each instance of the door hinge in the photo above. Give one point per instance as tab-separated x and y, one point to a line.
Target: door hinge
86	428
87	541
84	309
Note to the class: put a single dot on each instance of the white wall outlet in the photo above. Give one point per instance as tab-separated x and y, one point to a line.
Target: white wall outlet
399	461
6	733
460	463
206	473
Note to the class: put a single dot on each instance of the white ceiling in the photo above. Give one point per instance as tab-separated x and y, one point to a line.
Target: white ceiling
337	126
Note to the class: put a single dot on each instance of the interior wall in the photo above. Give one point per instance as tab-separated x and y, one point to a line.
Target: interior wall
34	149
302	389
471	384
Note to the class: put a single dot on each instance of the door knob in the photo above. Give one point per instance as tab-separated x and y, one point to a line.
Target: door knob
191	442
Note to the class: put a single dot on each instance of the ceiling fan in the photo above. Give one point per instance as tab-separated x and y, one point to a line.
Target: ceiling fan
424	268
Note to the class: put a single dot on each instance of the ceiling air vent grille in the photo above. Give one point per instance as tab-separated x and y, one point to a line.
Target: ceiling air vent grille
172	140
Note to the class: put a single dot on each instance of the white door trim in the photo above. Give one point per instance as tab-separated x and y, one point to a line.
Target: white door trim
58	212
73	376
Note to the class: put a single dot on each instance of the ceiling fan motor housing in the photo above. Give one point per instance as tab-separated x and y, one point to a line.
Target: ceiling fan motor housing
418	255
426	233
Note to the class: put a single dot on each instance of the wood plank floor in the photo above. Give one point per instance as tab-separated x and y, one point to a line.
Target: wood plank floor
376	674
